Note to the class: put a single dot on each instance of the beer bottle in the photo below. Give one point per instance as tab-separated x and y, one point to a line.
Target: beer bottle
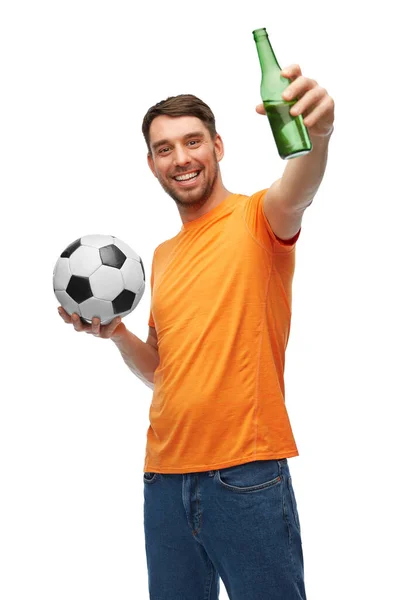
290	133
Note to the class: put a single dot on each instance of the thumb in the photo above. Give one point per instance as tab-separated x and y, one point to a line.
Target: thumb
260	109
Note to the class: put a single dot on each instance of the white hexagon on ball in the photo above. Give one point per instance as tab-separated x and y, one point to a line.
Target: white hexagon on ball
97	240
61	274
84	261
106	283
132	275
95	307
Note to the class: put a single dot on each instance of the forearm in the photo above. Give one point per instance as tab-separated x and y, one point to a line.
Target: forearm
303	175
141	358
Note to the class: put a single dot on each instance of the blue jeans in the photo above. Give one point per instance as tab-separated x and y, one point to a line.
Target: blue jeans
239	523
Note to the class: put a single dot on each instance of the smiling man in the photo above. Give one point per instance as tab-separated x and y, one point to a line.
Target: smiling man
218	496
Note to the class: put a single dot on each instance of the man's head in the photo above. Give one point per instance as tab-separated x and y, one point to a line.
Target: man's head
184	105
183	148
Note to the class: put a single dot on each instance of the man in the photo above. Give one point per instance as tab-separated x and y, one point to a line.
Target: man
218	497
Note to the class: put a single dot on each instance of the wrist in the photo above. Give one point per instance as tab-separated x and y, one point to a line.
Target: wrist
323	137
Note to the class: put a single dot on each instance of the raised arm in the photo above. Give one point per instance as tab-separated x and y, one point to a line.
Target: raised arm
288	197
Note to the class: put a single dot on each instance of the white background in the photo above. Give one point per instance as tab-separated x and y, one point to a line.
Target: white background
77	79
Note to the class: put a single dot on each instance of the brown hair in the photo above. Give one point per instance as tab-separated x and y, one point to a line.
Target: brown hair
184	105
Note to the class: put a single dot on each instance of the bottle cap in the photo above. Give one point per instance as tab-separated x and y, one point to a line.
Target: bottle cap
260	33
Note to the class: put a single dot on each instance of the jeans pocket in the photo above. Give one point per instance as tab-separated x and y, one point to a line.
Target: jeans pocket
149	477
294	503
250	477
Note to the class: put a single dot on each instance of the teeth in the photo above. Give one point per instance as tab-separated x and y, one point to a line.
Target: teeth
188	176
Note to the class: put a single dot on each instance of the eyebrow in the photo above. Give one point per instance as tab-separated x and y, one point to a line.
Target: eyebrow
192	134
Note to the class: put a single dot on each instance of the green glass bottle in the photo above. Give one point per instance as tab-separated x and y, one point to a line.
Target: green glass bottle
290	133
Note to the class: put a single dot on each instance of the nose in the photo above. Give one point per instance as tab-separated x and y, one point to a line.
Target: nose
181	156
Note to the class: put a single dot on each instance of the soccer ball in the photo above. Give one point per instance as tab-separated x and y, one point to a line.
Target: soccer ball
99	276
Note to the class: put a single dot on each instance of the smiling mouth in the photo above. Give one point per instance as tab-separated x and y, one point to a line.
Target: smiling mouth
186	178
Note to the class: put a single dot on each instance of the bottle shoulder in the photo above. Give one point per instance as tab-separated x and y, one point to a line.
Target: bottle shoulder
273	85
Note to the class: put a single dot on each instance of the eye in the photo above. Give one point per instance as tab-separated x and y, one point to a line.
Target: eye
193	143
164	150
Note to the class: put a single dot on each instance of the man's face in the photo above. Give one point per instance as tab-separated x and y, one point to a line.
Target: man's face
184	158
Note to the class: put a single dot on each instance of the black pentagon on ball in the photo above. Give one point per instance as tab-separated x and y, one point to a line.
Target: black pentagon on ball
123	301
112	256
79	288
71	248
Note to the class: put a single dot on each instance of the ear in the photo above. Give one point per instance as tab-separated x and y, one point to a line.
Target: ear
219	147
150	162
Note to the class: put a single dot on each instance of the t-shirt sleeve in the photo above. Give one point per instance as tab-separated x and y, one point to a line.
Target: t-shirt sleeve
151	318
260	227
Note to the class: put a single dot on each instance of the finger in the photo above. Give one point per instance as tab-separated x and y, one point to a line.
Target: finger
322	110
111	327
260	109
291	72
96	326
77	323
64	315
308	101
114	324
298	88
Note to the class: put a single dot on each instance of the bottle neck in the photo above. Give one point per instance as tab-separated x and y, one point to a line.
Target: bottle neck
265	52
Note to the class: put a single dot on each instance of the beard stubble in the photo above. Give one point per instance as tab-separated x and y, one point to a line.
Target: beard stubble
183	199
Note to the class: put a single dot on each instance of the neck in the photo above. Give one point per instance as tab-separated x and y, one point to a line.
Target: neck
218	195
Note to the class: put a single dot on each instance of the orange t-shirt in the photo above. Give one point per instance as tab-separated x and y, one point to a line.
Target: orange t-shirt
221	306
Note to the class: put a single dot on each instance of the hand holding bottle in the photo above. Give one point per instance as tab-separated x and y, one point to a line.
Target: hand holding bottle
311	101
285	114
